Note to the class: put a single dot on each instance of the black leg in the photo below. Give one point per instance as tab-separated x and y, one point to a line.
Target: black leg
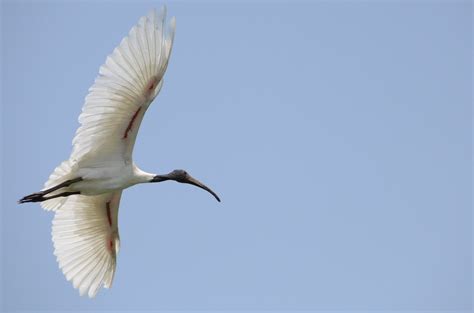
61	185
41	198
35	197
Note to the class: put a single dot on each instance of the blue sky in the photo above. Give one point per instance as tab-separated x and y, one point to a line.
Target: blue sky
337	134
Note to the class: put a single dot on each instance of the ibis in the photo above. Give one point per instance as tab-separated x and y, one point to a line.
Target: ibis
84	191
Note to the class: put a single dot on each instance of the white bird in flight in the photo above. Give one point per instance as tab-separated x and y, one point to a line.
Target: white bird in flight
84	191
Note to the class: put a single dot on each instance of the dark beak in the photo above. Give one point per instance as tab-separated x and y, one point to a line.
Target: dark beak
197	183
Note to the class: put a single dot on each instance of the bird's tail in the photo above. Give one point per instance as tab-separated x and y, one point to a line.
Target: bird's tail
60	174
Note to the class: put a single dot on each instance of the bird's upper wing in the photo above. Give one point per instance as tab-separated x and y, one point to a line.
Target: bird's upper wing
127	83
86	240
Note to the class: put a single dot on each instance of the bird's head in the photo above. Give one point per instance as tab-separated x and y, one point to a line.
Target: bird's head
181	176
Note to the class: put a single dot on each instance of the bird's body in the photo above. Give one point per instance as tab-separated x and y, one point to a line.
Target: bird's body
110	179
85	190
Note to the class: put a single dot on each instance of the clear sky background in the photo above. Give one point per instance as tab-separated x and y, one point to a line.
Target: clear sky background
338	135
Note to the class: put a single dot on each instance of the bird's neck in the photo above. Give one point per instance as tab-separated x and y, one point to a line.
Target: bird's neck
142	176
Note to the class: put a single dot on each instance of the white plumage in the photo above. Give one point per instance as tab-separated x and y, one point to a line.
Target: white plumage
128	82
84	191
85	243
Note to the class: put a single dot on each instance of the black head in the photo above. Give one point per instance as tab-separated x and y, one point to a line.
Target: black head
181	176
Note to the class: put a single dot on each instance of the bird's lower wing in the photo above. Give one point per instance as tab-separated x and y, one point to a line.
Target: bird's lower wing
86	240
127	83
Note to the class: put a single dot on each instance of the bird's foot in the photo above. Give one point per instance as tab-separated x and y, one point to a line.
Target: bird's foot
34	197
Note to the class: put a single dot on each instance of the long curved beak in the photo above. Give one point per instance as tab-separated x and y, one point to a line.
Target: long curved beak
197	183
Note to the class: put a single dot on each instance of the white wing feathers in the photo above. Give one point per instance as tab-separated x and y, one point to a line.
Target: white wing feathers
85	230
129	80
86	240
127	83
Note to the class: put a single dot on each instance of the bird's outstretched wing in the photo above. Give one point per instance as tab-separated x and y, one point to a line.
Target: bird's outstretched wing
113	110
86	240
127	83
